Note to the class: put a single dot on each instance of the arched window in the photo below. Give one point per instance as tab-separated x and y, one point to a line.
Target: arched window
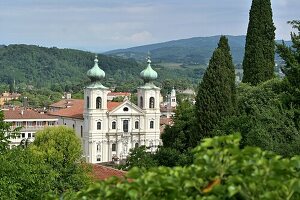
113	125
136	125
98	103
88	102
136	145
151	124
141	102
98	158
81	131
151	102
113	147
98	148
98	125
125	126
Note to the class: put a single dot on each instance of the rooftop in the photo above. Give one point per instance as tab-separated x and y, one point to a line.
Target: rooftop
77	107
19	113
101	172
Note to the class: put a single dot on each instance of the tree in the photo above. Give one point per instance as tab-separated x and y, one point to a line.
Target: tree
61	148
221	170
139	157
6	133
216	94
263	120
25	175
291	56
258	63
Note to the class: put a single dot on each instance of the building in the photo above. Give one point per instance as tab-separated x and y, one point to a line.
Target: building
31	121
5	97
110	129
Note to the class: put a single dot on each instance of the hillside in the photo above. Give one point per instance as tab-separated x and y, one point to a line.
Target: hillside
188	51
197	50
64	68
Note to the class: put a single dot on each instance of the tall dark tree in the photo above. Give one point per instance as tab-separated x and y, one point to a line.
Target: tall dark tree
216	95
258	63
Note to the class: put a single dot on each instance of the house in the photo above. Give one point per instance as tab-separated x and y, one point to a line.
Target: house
6	96
108	130
30	120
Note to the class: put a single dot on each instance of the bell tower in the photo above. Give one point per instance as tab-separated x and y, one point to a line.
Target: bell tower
148	100
94	114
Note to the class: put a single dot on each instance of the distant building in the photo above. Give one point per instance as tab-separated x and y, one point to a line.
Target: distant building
31	121
6	96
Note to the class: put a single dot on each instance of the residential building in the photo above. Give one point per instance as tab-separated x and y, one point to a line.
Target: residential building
30	122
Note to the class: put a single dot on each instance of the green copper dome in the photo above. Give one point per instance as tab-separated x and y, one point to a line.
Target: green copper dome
148	74
96	74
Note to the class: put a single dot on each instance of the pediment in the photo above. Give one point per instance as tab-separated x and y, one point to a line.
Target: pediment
127	108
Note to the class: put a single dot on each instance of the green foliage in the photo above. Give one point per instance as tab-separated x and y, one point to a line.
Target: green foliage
221	170
216	95
263	120
139	157
65	70
291	56
25	175
258	63
61	149
6	133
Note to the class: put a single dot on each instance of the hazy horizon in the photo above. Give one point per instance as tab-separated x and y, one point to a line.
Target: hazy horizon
100	26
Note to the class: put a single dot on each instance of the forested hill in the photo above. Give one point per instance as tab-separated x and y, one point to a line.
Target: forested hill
188	51
43	67
65	69
197	50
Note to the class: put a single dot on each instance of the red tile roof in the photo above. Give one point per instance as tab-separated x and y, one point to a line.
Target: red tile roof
102	172
76	110
26	114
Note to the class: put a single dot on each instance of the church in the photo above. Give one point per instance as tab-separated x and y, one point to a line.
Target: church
108	130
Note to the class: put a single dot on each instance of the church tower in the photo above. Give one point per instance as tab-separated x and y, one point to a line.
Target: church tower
94	114
173	102
148	100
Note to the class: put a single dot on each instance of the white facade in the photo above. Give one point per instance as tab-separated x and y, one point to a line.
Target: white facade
109	135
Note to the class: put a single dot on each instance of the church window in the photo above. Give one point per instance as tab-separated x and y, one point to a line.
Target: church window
141	102
98	103
125	109
125	126
151	124
136	125
151	102
136	145
113	147
81	131
113	125
98	158
173	100
98	125
98	148
88	102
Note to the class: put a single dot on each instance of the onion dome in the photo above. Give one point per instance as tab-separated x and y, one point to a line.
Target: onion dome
148	74
96	74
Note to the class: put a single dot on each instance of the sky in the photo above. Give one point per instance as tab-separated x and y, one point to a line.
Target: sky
102	25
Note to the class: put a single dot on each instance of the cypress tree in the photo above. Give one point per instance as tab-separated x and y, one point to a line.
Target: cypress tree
258	63
216	94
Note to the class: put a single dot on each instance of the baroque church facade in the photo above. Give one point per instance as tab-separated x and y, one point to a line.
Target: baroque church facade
108	130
